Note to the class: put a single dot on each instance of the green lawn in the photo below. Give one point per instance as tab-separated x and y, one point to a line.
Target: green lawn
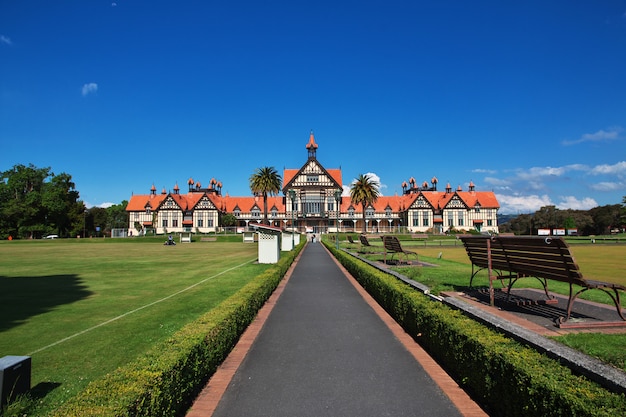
82	308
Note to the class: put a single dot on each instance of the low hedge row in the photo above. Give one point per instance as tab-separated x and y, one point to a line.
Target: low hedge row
504	376
166	379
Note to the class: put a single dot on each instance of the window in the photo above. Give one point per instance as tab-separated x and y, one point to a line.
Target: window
164	223
388	211
210	223
369	212
425	223
331	206
450	219
147	210
175	223
200	223
460	214
237	212
274	212
256	212
351	212
313	204
489	222
312	178
416	220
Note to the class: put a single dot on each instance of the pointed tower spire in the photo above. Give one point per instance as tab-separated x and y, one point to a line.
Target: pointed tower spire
311	146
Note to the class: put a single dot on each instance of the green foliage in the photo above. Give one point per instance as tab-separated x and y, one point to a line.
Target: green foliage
364	191
34	201
228	220
265	181
165	381
505	377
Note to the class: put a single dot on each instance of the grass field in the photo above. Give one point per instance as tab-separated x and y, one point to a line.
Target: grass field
83	308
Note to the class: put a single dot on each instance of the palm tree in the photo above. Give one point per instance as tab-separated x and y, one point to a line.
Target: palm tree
265	181
364	191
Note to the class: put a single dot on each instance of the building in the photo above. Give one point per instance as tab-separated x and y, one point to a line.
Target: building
312	201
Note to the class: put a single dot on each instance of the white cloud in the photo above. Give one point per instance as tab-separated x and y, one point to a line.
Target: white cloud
516	203
615	169
571	202
102	205
612	133
484	171
6	40
89	88
497	182
608	186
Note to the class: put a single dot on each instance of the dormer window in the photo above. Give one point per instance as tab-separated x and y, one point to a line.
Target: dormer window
369	212
256	212
388	211
237	212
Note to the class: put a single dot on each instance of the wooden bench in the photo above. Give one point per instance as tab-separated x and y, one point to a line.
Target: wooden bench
544	258
419	236
185	238
364	242
392	244
208	239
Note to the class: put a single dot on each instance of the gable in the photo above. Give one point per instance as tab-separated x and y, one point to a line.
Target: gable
169	204
456	203
205	204
421	203
312	174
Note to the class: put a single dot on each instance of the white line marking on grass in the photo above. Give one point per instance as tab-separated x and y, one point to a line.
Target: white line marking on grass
65	339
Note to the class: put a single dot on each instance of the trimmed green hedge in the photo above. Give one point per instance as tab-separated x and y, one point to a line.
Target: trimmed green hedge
504	376
165	381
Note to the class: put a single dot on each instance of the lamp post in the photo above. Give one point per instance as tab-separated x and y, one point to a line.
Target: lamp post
292	196
338	200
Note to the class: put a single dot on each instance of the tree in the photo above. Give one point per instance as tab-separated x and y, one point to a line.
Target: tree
34	201
265	181
228	220
623	213
117	217
605	218
364	191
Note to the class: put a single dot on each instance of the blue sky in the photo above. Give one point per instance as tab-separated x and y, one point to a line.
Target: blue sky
527	100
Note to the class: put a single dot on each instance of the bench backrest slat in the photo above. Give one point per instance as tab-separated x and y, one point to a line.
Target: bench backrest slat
548	258
392	244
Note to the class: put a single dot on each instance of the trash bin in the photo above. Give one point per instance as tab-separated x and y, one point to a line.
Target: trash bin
14	377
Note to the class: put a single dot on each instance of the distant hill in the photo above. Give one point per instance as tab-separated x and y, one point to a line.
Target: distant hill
505	218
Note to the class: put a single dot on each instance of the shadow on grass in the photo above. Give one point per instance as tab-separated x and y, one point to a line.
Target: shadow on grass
25	297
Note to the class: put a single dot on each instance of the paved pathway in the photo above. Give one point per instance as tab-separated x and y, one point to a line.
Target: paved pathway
322	347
